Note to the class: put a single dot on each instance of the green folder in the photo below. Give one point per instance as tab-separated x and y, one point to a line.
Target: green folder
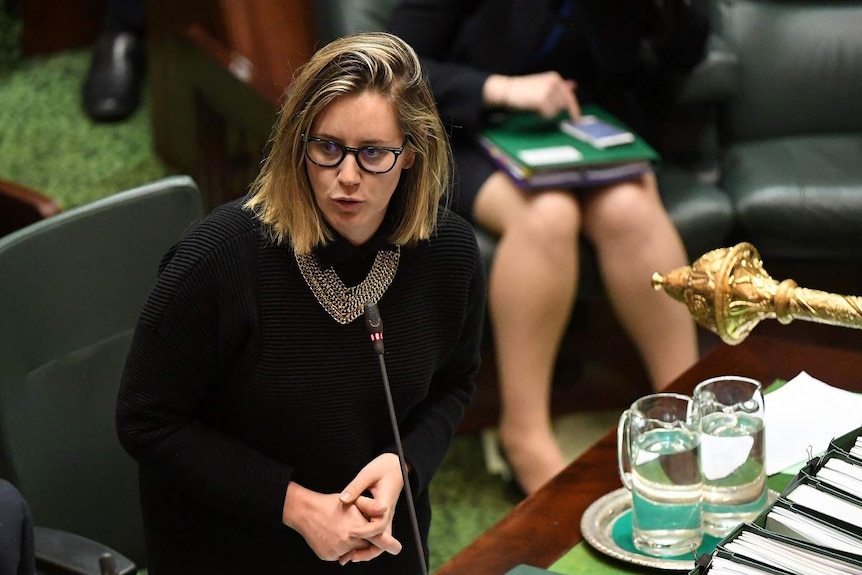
511	141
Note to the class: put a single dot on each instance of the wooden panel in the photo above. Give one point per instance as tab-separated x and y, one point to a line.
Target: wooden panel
233	119
234	56
276	37
171	95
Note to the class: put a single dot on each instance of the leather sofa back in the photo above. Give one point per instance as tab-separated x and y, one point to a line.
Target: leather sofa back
337	18
800	66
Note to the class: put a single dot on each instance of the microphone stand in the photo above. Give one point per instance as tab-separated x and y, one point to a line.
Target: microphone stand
374	324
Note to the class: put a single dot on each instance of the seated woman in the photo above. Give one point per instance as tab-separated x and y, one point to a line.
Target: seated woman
549	57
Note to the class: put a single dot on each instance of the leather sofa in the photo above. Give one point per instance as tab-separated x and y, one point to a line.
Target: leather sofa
791	135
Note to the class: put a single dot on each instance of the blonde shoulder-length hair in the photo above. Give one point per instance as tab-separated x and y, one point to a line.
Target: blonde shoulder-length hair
375	62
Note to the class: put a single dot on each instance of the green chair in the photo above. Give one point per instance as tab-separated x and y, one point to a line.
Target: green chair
71	289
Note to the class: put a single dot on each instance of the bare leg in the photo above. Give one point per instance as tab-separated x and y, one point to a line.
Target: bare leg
634	237
531	293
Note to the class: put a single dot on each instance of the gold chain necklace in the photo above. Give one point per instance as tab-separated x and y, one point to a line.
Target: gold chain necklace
343	303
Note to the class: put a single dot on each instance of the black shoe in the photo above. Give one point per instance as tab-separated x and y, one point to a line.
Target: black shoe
112	90
512	488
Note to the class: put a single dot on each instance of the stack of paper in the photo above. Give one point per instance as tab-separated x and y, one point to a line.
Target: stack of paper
802	417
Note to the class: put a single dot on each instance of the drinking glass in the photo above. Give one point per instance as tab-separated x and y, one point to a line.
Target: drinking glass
731	451
658	441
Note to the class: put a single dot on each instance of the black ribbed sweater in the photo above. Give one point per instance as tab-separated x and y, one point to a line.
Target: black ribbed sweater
237	382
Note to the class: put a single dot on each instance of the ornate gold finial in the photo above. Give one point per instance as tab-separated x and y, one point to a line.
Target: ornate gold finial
728	292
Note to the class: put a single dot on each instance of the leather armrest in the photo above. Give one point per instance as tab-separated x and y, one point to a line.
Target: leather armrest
715	79
69	553
21	206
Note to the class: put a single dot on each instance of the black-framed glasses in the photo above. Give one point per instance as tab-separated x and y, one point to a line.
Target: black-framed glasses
373	159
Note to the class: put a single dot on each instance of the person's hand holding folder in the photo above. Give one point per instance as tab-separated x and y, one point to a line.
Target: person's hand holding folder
546	93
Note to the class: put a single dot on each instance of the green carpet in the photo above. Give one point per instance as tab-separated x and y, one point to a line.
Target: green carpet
47	143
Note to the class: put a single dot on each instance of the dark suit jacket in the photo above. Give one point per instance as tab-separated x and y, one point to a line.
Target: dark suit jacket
612	49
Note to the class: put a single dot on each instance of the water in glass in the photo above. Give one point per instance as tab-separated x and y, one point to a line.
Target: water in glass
734	477
666	492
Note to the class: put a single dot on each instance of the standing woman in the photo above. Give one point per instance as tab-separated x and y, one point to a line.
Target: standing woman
252	398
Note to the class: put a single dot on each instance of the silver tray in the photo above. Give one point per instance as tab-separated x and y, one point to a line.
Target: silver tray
597	526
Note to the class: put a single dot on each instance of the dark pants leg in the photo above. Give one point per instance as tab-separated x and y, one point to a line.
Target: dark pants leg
112	88
125	16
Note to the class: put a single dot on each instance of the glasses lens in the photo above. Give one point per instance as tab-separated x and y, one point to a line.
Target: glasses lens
376	159
324	153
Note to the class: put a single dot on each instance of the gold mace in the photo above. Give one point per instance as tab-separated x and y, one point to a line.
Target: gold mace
728	292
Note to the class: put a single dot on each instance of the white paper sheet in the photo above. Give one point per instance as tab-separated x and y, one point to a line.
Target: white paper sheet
550	155
803	416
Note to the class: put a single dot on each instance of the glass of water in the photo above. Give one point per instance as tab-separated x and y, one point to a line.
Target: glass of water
731	451
658	441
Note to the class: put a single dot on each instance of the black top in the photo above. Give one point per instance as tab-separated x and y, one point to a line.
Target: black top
238	382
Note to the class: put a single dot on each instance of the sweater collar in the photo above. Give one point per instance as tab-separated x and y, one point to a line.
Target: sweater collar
352	262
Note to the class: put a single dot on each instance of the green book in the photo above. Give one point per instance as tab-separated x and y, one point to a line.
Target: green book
537	153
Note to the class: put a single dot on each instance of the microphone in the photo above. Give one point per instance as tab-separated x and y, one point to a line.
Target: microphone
374	325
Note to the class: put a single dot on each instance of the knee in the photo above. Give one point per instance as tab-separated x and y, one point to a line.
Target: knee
16	531
552	219
626	208
13	508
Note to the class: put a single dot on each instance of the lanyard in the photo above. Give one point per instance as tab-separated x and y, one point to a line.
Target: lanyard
559	26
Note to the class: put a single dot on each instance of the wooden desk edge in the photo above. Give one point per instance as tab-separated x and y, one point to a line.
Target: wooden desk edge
543	527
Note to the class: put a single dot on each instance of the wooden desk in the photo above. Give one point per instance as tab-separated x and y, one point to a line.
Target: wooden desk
545	526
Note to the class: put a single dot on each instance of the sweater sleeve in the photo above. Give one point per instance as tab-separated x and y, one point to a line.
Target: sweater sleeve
430	428
191	332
